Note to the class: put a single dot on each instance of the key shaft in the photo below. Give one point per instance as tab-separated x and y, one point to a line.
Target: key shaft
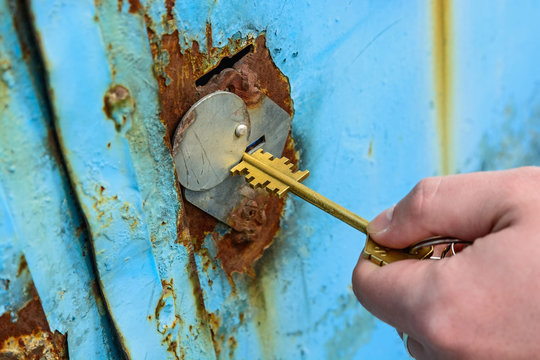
310	196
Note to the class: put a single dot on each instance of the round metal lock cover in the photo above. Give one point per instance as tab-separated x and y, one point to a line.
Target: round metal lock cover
210	139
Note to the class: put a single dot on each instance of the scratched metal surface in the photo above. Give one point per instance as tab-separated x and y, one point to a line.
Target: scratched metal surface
380	102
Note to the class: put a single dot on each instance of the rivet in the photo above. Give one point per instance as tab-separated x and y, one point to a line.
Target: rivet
241	130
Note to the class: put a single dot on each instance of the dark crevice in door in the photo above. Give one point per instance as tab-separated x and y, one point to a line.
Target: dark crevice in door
30	45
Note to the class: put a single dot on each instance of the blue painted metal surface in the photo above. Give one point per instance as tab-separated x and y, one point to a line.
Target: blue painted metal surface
497	85
367	89
353	133
96	116
41	223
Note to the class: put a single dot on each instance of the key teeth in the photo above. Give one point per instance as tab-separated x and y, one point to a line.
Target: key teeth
277	188
239	169
285	163
301	175
252	180
263	155
243	171
282	192
256	178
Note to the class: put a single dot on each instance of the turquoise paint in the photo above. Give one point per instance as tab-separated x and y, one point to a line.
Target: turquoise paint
363	92
128	53
15	286
39	218
498	101
356	74
100	164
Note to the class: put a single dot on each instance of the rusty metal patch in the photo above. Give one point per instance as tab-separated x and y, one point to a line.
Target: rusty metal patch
180	74
29	336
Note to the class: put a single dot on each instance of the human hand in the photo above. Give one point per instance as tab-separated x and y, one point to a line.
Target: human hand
485	301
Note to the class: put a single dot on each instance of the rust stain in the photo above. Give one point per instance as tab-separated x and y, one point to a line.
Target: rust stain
178	68
261	292
102	205
214	323
5	283
270	80
29	337
169	5
202	314
165	325
442	45
134	6
168	290
232	345
199	224
209	39
258	222
23	265
116	97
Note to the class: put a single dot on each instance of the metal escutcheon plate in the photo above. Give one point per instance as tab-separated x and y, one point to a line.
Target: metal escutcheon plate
206	145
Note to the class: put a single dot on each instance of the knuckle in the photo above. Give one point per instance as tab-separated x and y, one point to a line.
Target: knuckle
423	196
520	185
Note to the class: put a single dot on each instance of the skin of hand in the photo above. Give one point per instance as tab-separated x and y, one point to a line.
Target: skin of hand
484	302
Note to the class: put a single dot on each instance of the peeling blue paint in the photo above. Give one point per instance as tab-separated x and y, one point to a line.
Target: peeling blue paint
129	52
39	217
14	285
345	69
101	168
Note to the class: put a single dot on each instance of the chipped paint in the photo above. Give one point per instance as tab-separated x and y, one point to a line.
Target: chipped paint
249	77
119	107
100	162
178	69
162	207
28	335
39	217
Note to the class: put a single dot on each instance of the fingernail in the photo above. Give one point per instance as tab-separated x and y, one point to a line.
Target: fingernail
382	222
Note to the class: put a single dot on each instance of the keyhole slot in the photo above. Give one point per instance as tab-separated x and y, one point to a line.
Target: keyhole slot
256	145
225	63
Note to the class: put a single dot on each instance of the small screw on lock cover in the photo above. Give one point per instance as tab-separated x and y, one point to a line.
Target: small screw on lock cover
241	130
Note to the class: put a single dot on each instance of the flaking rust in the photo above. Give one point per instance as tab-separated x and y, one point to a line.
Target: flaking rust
29	337
257	218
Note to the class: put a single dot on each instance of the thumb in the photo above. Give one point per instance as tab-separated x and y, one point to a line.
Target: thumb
465	206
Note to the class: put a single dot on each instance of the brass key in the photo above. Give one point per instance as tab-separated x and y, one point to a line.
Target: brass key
263	170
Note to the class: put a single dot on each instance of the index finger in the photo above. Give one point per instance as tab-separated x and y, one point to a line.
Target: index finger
465	206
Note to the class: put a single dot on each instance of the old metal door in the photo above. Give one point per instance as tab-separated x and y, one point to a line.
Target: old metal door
101	256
